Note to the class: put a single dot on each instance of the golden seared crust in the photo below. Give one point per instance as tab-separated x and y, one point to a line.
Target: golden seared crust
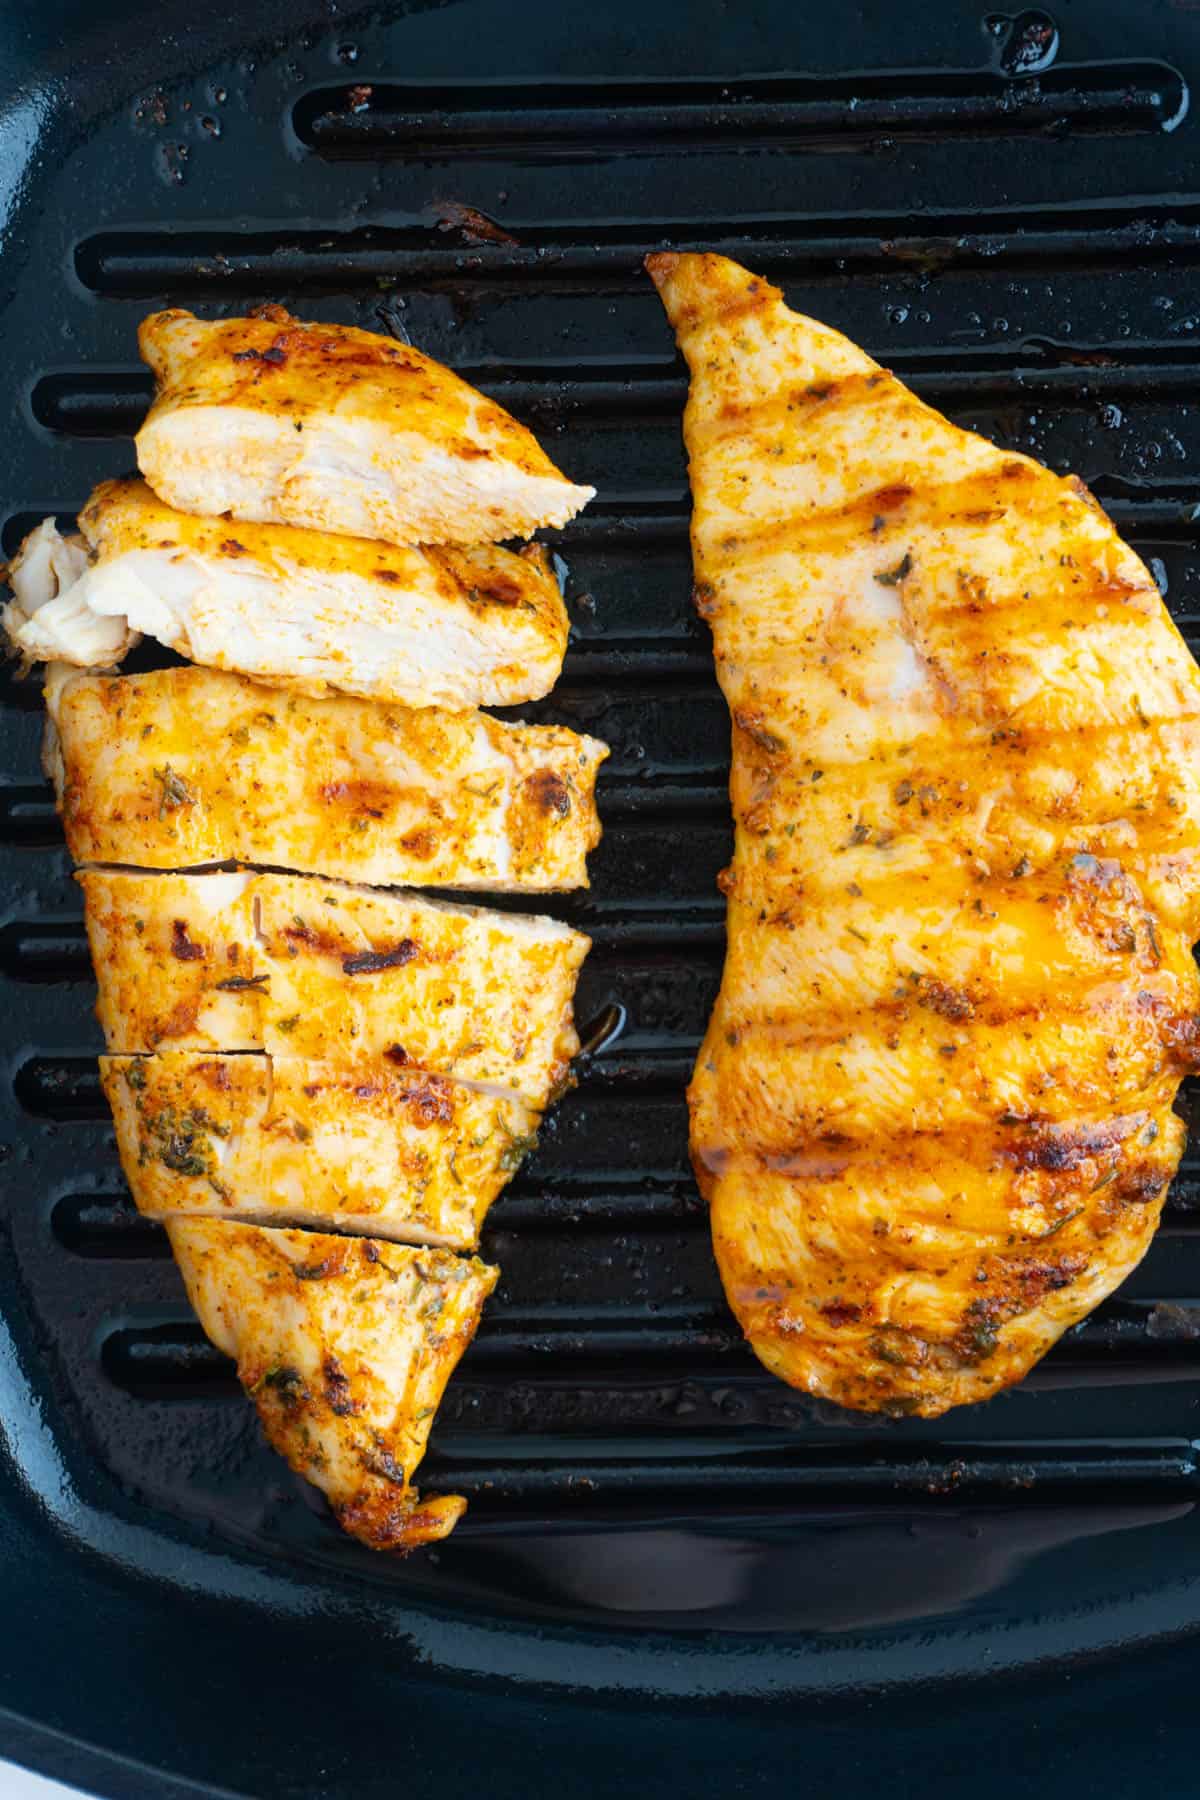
345	1346
925	810
456	626
913	1276
932	1111
289	1140
338	430
927	1062
188	766
299	966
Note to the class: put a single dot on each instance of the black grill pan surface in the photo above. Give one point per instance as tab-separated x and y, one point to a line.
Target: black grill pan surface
677	1576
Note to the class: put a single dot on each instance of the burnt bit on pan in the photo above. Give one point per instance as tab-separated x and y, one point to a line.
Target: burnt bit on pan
472	226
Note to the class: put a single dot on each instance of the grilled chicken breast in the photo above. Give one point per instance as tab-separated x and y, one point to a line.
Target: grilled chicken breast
933	1109
303	967
294	1053
301	609
292	1141
338	430
345	1346
189	766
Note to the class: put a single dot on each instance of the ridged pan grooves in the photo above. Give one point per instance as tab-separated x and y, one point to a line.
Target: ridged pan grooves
579	118
608	1379
171	1359
96	403
228	263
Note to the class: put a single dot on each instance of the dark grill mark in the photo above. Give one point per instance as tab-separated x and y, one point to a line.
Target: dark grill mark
380	1461
549	793
369	962
274	356
184	948
1058	1148
767	741
332	1264
286	1383
948	1002
1139	1186
431	1103
337	1388
841	1312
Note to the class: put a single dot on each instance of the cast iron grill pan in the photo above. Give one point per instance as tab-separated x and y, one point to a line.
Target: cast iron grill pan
1001	217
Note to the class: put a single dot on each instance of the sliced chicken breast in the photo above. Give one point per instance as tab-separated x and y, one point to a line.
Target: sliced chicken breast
301	609
50	613
337	430
933	1109
190	766
290	1141
304	967
345	1346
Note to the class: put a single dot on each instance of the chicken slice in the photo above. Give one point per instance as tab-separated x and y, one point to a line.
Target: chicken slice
274	420
189	766
301	609
300	966
50	615
345	1346
933	1109
286	1140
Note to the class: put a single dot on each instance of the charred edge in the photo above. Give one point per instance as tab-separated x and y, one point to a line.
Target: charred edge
370	962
